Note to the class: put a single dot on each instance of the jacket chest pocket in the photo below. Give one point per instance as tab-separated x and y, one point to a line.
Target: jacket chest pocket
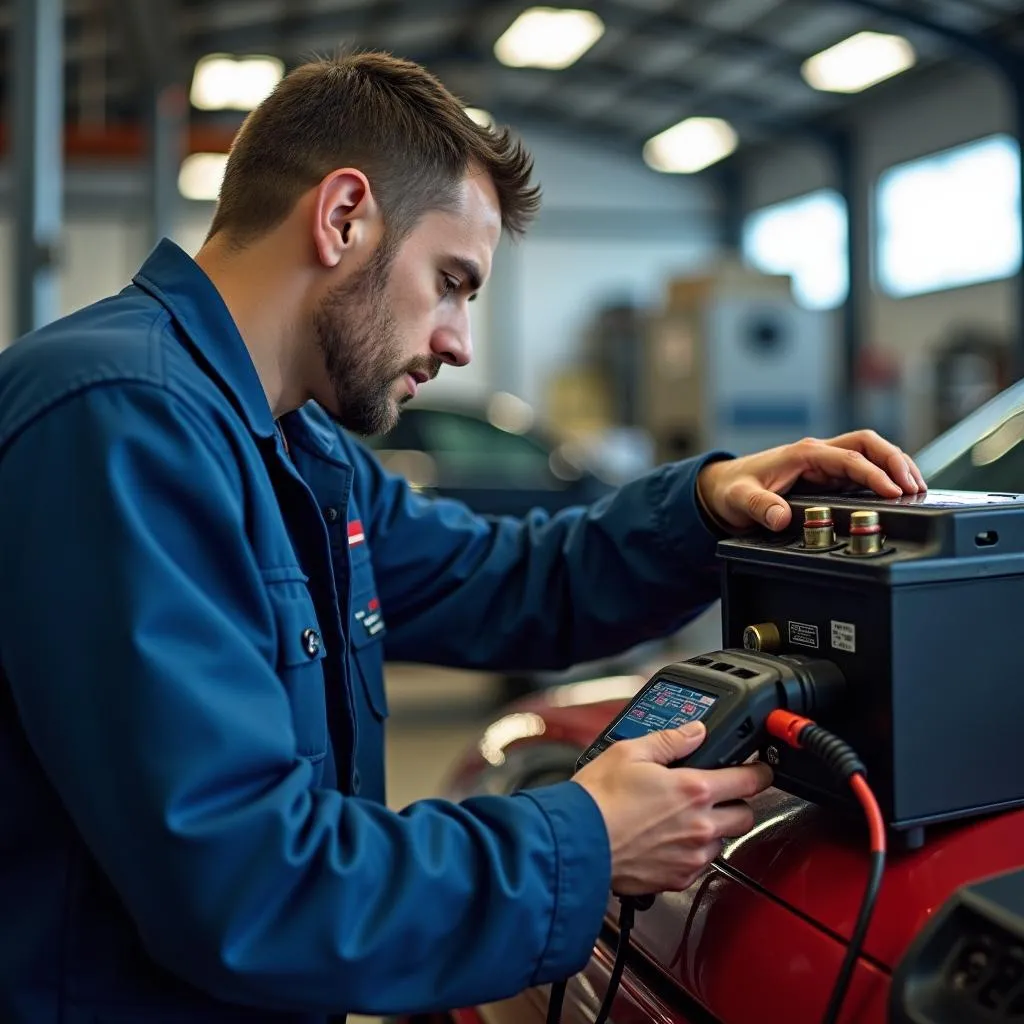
367	631
299	658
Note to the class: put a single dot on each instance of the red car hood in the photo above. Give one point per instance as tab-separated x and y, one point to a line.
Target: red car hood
804	860
807	859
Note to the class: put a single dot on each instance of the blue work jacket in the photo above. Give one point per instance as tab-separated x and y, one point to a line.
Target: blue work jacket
194	616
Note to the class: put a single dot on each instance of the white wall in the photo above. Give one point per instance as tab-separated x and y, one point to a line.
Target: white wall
934	112
100	255
609	230
564	280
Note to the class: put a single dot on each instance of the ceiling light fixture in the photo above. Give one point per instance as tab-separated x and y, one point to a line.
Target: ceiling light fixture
223	82
857	63
691	145
200	176
546	37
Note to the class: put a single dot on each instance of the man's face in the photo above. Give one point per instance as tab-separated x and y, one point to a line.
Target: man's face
388	328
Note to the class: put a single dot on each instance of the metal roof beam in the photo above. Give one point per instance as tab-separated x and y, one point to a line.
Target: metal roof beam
623	14
665	23
470	55
331	27
1006	59
619	14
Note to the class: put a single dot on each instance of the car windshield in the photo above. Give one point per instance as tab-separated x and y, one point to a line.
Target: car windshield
983	452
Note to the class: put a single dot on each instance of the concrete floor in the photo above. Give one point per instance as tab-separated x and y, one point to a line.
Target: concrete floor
434	714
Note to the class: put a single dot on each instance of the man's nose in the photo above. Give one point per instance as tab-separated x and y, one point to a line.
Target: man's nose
454	347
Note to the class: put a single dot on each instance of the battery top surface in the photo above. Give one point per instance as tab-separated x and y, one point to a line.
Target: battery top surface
939	502
919	538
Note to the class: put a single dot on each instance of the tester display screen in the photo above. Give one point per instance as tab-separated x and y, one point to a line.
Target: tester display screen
665	705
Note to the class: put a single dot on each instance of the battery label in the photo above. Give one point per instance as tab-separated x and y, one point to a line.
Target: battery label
803	634
844	636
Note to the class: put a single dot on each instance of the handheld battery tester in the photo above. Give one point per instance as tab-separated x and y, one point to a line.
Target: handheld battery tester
746	699
733	692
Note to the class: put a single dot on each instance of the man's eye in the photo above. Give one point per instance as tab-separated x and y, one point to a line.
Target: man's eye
448	285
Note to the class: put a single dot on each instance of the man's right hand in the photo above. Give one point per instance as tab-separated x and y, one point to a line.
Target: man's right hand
665	825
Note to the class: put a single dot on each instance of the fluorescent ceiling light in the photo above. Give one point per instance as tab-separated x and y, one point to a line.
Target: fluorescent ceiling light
223	82
545	37
201	174
481	117
690	146
856	63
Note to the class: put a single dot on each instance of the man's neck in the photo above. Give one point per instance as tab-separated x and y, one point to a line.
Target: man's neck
266	312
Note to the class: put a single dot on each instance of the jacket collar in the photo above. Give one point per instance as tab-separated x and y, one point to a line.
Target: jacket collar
176	281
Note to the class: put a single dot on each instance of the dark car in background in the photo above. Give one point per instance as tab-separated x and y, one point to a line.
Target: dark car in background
489	456
495	459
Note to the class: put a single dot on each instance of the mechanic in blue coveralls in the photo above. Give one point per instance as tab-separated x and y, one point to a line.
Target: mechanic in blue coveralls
202	573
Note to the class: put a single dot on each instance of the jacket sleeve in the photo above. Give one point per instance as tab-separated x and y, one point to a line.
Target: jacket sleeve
544	592
135	640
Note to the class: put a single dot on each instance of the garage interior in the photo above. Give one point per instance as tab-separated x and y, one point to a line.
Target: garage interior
762	220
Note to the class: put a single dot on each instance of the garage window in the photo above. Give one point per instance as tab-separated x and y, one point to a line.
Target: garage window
805	238
950	219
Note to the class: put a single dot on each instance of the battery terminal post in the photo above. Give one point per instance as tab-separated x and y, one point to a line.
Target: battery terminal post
865	533
819	529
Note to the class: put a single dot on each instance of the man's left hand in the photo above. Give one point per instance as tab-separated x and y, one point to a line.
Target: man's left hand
744	492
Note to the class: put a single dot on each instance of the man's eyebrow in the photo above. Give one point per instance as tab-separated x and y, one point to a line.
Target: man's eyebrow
470	270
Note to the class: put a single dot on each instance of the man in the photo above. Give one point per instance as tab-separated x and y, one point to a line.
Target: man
202	573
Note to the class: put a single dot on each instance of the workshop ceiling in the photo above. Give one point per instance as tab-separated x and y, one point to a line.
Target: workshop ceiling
658	62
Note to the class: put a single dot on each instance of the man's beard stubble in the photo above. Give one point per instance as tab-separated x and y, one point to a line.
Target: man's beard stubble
362	351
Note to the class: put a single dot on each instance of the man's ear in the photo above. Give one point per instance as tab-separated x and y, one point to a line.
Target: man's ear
345	216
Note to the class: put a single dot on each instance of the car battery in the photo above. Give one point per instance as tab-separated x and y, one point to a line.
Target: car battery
918	601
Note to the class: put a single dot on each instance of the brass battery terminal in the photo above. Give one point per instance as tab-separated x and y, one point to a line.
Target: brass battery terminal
865	533
819	530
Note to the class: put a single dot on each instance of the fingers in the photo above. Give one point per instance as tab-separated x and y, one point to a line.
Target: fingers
703	856
851	464
901	468
761	505
668	745
748	490
721	785
732	820
922	486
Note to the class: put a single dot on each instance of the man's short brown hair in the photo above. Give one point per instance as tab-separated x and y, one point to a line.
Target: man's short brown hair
388	117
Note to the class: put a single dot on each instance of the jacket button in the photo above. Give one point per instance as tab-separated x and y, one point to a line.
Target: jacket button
311	642
331	514
356	782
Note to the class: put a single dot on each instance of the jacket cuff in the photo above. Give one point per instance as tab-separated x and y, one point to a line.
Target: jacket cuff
685	526
583	866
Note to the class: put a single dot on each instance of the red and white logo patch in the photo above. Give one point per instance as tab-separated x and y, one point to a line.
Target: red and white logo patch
355	533
370	618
